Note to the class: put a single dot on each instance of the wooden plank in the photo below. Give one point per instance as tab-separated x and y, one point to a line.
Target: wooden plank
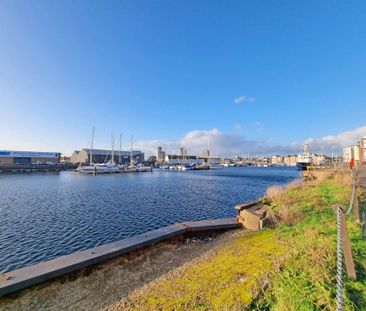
347	250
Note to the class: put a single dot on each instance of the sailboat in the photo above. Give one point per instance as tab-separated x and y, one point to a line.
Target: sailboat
122	167
88	169
110	166
136	167
103	168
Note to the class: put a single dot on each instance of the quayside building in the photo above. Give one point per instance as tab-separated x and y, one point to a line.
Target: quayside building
102	156
8	157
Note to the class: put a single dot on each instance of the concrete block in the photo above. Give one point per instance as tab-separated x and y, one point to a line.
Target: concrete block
256	217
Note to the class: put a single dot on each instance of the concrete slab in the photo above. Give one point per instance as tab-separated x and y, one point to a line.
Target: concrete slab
45	271
242	206
211	224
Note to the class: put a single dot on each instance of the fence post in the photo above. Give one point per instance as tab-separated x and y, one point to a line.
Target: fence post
356	206
354	202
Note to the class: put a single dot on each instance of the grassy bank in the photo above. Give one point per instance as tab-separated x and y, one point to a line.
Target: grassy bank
290	267
308	276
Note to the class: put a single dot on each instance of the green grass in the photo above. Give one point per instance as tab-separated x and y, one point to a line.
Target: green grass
308	277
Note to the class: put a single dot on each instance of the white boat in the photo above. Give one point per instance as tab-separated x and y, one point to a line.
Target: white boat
304	159
143	168
99	168
88	169
181	167
184	167
203	166
107	168
215	167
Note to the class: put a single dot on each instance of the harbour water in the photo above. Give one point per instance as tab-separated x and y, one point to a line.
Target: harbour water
46	215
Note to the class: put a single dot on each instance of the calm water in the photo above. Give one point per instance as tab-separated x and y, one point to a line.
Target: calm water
45	215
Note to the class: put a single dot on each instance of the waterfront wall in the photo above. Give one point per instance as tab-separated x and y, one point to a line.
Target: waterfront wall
14	168
25	277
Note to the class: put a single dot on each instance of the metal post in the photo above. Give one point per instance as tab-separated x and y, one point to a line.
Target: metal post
354	203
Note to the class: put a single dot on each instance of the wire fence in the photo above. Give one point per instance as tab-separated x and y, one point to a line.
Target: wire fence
339	260
343	242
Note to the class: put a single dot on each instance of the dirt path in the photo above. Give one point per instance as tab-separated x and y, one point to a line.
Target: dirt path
109	283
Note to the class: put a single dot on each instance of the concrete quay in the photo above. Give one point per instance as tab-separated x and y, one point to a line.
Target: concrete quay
25	277
35	168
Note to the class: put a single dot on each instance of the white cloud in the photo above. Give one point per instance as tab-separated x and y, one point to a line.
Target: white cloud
335	142
239	99
224	144
220	144
242	99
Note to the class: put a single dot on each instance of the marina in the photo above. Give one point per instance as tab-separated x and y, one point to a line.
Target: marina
47	215
182	155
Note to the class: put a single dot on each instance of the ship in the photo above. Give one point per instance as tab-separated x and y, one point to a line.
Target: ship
304	159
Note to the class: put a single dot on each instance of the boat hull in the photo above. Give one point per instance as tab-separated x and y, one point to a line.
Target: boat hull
303	166
204	167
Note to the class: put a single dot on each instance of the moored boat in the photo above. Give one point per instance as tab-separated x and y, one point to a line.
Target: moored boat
304	159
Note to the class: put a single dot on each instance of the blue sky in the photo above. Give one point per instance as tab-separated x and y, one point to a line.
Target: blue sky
165	71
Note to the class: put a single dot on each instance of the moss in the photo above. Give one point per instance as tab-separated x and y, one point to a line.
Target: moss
230	278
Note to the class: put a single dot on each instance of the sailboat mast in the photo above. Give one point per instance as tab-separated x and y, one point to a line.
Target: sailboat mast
112	156
92	146
186	153
120	149
208	148
131	152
